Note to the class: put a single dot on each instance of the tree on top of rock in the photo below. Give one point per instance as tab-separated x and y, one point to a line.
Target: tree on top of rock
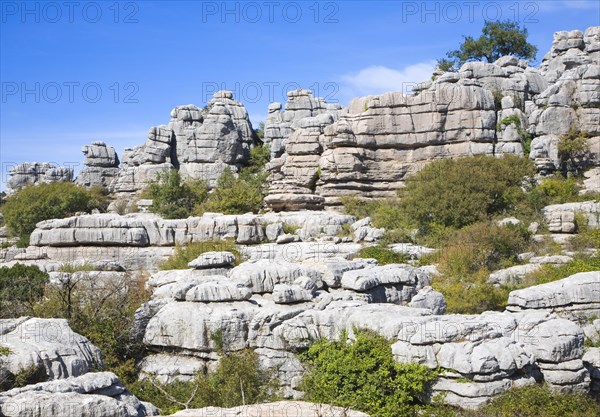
498	39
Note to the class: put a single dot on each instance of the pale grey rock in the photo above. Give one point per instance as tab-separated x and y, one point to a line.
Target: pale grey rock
209	260
366	279
591	184
577	294
94	395
333	269
411	250
427	297
166	368
36	173
290	294
561	217
273	230
47	345
513	274
101	165
279	409
263	275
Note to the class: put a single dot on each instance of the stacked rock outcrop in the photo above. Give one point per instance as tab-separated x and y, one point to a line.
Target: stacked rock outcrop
484	108
35	173
200	143
101	165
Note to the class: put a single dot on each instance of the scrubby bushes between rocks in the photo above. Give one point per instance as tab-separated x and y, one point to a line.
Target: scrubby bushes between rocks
466	259
363	375
382	254
175	198
34	203
21	287
185	254
237	380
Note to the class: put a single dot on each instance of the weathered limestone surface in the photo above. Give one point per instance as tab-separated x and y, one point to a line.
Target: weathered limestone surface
575	297
36	173
279	409
561	217
101	165
46	347
200	143
371	147
94	394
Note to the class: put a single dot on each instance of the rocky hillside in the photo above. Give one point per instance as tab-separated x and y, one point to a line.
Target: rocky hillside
111	314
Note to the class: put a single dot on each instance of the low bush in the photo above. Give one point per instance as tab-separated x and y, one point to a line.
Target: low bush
382	254
21	287
465	261
238	380
573	150
185	254
536	401
105	314
458	192
34	203
174	198
363	375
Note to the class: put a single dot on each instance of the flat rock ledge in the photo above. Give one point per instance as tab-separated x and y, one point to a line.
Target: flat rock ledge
278	409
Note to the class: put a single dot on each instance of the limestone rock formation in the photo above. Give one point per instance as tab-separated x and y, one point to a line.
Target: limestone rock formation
47	348
370	148
36	173
561	218
572	99
574	297
278	409
141	241
200	143
101	165
94	394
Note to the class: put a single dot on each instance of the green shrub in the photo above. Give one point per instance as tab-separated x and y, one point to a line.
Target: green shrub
236	195
34	203
459	192
20	288
173	198
238	380
386	213
382	254
536	401
363	375
185	254
468	256
4	351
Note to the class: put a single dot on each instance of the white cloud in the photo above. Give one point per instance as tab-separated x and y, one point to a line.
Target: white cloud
378	79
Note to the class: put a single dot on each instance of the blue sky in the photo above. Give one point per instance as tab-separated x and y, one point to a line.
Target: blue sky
74	72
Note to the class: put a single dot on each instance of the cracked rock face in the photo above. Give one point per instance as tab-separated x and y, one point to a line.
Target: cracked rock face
371	147
95	394
101	165
200	143
36	173
48	346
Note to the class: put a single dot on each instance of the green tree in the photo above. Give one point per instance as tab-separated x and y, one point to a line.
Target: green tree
363	375
498	39
34	203
173	198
